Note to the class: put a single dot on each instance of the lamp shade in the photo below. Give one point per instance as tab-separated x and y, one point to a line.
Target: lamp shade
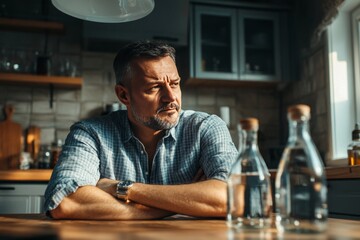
106	11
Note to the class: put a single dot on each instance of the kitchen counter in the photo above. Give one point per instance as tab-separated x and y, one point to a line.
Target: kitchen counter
32	175
38	226
43	175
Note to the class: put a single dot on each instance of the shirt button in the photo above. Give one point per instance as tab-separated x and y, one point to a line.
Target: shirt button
146	173
142	152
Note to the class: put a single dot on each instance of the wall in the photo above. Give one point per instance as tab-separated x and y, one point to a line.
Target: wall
312	85
312	89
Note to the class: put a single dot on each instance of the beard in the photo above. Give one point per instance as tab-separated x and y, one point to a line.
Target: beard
156	122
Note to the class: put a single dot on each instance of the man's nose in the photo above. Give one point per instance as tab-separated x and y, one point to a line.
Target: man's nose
168	94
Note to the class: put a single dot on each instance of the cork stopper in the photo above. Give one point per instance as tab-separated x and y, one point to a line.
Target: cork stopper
249	124
298	111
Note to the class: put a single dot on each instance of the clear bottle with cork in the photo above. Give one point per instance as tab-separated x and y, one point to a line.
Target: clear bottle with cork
300	185
249	201
354	147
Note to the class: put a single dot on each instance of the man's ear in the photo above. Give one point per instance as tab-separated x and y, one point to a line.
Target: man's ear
123	94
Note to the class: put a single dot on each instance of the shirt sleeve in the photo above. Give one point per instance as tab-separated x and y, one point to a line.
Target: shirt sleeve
78	165
218	152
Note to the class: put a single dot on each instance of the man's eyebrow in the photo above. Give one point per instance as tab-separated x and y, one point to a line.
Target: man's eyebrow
155	80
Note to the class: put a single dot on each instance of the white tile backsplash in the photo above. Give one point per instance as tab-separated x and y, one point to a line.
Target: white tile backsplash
68	109
43	107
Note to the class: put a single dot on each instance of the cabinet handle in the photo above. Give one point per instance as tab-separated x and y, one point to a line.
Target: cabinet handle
7	188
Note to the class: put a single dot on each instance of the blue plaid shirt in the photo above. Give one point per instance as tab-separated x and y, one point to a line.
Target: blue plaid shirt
105	147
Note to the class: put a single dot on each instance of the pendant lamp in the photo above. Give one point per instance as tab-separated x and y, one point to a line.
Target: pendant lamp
105	11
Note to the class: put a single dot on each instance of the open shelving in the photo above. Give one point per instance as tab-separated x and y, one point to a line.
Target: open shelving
59	81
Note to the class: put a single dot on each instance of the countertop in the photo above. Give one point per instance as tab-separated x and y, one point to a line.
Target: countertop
32	175
38	226
43	175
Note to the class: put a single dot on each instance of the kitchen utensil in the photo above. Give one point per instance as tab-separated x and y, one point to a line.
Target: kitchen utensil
10	141
32	143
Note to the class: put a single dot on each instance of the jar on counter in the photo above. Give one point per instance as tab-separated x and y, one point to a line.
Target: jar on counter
44	158
55	152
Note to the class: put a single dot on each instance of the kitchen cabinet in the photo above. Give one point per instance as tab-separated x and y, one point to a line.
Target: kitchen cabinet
22	197
343	198
343	191
236	44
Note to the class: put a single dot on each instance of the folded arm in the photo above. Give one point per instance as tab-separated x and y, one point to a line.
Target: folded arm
201	199
90	202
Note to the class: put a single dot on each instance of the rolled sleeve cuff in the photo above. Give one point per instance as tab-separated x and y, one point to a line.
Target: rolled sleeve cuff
59	192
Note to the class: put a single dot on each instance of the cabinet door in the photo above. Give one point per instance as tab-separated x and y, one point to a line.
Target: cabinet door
259	45
21	204
215	51
21	198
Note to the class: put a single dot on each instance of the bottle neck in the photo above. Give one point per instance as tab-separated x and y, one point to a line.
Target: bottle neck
251	139
299	129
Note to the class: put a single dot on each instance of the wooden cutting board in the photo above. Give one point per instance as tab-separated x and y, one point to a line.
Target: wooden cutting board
10	141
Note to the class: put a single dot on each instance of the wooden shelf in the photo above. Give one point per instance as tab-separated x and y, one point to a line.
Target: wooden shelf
197	82
60	81
31	25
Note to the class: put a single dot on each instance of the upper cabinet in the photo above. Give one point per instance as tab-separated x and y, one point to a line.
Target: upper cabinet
236	44
215	45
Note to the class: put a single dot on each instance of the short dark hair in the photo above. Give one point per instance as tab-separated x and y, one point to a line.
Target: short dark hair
139	49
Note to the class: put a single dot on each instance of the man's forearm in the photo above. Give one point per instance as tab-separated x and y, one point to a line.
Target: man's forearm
202	199
90	202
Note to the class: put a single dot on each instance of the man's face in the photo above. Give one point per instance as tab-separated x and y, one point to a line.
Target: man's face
155	94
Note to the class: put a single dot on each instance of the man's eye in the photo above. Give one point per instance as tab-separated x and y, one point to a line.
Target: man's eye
175	84
155	87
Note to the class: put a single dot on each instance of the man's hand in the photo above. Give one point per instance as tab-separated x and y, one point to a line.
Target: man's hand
90	202
108	185
200	176
201	199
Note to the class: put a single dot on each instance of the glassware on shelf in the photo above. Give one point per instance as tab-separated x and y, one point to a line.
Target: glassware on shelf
249	200
301	191
354	147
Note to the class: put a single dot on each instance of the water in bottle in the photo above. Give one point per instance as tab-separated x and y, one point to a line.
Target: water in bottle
300	186
249	201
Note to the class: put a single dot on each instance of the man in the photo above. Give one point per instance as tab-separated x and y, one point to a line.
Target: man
146	162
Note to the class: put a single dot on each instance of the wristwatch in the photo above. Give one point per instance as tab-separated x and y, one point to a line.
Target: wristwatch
122	189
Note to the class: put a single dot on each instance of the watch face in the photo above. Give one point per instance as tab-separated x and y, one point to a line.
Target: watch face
122	189
126	184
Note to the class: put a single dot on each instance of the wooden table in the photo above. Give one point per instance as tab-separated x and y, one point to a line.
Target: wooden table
38	226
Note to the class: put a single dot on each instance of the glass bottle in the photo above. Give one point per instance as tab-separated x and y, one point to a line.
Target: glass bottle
300	185
354	147
44	158
249	202
56	148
